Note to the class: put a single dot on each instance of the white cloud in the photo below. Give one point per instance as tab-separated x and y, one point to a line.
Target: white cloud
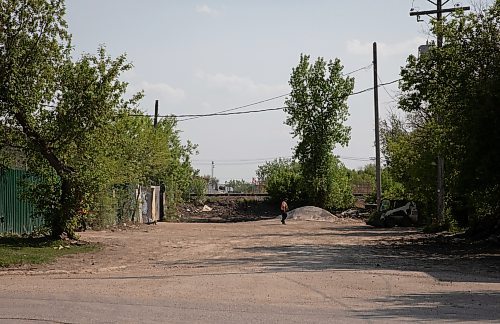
406	47
163	92
238	84
206	10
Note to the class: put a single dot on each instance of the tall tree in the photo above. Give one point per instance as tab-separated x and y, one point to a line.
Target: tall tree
317	109
34	47
453	100
55	109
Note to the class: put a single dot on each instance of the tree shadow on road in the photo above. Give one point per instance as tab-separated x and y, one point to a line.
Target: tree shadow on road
443	262
366	230
344	231
449	306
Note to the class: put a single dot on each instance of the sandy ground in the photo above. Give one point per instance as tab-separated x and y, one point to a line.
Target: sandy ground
258	272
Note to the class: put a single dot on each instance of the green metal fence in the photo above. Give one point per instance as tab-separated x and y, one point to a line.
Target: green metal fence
16	215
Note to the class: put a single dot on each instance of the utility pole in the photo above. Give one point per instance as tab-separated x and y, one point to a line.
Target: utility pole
162	185
378	177
439	35
155	123
212	178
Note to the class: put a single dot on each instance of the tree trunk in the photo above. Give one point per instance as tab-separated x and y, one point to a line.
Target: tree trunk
69	200
61	223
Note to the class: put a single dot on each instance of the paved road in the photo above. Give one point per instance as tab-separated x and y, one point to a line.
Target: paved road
260	272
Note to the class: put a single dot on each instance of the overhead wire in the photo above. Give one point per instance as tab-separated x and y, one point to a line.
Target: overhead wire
230	112
244	106
225	112
261	160
273	98
251	111
243	160
357	70
214	114
385	89
369	89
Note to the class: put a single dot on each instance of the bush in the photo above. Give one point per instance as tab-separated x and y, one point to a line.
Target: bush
282	179
199	189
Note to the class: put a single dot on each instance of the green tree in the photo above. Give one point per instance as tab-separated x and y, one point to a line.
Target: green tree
240	186
136	152
199	189
34	64
338	189
71	122
391	188
451	95
365	177
317	109
410	155
282	179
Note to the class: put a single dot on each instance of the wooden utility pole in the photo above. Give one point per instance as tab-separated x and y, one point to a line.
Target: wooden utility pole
162	185
378	177
155	123
440	161
212	178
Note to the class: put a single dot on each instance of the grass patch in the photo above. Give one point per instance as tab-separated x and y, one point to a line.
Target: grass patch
16	251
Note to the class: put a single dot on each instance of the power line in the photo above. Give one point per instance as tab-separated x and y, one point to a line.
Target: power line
243	160
214	114
273	98
385	89
223	112
262	160
351	158
360	69
231	163
244	106
250	111
194	116
369	89
228	112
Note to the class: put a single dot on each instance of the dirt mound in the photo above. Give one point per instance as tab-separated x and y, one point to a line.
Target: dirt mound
227	209
312	213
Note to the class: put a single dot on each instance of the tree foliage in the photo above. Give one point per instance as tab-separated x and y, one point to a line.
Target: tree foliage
391	189
411	161
240	186
282	179
452	100
317	109
71	121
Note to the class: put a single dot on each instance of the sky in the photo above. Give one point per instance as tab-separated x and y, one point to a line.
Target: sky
199	57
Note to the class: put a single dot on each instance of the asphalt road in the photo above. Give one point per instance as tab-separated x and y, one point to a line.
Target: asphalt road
257	272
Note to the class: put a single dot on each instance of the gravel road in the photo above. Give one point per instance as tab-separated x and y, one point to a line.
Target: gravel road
258	272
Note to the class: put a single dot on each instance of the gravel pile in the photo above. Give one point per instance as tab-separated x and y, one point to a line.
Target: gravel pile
312	213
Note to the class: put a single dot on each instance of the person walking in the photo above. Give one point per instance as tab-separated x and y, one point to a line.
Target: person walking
284	210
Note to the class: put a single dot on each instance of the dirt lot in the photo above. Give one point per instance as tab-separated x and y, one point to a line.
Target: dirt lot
269	246
305	271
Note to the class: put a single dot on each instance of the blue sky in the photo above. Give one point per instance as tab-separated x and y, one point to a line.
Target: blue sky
199	57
